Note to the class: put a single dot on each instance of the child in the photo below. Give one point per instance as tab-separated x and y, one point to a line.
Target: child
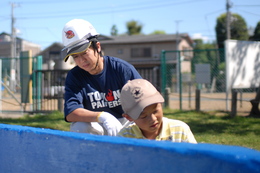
142	103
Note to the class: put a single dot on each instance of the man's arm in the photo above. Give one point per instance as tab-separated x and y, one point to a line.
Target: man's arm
82	115
110	123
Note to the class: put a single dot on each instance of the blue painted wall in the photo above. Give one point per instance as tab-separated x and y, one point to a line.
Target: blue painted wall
30	150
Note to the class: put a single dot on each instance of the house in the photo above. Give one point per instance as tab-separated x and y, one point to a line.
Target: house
21	45
145	50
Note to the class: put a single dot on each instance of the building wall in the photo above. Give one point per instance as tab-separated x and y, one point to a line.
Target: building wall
185	66
187	54
123	51
31	46
5	50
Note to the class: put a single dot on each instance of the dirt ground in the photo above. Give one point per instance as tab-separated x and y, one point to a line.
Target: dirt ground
10	107
213	102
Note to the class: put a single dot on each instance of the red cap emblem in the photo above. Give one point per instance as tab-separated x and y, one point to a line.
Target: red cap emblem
69	34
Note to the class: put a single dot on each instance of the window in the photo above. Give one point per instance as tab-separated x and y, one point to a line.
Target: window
54	55
141	52
119	51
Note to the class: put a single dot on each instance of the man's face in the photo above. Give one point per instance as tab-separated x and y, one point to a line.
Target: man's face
87	60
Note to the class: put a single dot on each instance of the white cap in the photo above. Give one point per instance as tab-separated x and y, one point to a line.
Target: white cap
76	37
136	95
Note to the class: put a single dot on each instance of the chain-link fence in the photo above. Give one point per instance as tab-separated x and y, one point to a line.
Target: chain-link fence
26	88
178	74
17	84
182	74
10	85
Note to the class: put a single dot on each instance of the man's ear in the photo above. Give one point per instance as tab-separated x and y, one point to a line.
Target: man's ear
98	46
127	117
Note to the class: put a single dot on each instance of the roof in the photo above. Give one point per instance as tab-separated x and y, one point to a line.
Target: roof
55	44
58	44
4	33
144	38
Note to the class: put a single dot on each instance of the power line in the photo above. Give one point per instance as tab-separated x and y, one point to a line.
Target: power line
49	2
248	12
246	5
124	8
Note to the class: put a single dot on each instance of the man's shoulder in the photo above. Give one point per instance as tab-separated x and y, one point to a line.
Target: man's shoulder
74	70
115	60
76	74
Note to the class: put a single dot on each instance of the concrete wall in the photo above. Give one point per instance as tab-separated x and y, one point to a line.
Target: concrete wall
29	150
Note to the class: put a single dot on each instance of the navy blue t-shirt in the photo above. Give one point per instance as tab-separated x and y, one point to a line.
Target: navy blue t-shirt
99	92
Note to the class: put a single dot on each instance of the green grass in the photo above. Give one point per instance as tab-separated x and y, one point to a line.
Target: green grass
54	120
206	126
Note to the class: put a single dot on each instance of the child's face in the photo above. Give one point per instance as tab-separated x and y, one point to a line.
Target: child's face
150	120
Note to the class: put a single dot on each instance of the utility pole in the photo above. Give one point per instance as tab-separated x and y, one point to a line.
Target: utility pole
13	50
177	33
178	66
177	54
228	20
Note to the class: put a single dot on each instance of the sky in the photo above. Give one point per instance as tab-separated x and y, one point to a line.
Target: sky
42	21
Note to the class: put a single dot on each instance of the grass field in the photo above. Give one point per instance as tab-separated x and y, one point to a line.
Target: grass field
206	127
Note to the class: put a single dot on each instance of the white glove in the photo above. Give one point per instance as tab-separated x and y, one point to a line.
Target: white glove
111	124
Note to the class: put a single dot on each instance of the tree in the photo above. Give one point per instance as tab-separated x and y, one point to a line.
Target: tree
200	57
238	29
156	32
133	27
256	36
114	30
203	54
207	54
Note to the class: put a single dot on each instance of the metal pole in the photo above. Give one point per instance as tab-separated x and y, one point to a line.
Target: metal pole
234	103
178	65
13	52
39	82
180	80
177	54
0	86
163	72
197	100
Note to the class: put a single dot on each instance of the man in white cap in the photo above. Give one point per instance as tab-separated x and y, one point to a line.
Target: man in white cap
142	104
92	87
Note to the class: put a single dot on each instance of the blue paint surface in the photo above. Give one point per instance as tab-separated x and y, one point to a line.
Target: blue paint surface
28	149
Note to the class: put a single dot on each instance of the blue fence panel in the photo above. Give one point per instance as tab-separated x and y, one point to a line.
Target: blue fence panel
28	149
